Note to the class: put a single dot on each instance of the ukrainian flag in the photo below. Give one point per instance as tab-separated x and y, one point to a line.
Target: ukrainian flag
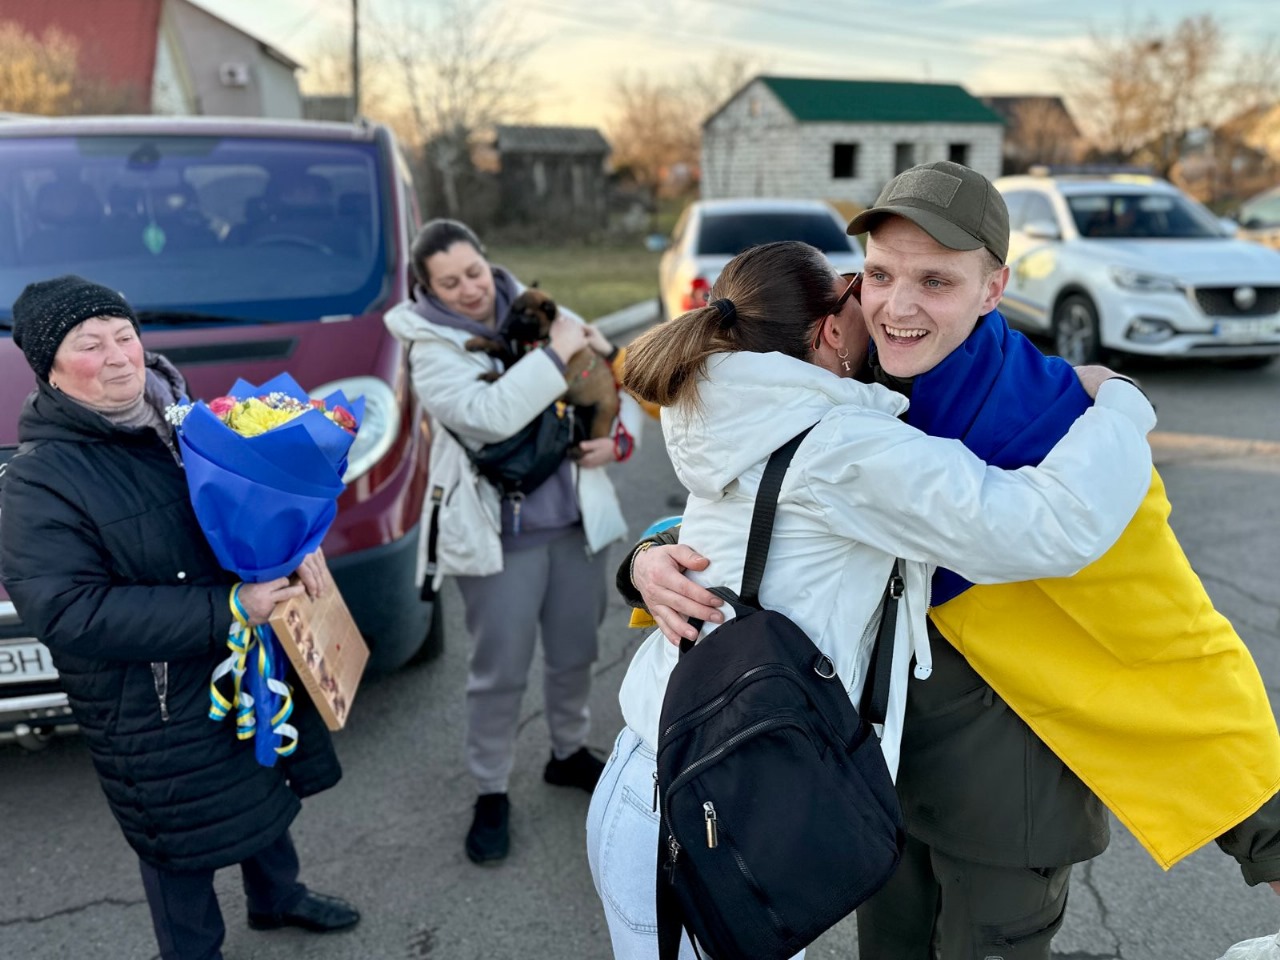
1124	670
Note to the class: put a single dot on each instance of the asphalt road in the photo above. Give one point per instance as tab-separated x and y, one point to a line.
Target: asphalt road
390	836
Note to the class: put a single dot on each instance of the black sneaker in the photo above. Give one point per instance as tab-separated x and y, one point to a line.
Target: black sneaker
489	838
580	769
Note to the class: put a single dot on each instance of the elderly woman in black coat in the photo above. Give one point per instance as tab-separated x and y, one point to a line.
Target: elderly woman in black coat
103	557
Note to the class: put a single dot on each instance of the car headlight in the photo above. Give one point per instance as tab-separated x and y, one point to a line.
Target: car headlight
381	421
1141	282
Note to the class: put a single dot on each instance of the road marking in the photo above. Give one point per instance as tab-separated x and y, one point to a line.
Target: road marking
1225	452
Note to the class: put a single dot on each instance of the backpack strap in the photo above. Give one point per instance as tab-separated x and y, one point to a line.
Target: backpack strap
875	692
762	516
766	508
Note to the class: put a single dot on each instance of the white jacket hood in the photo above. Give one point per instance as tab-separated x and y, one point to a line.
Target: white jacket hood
751	404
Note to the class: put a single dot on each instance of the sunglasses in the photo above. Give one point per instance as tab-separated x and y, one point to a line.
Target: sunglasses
854	289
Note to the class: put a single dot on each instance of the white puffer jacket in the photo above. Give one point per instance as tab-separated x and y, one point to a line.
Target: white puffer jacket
445	376
865	488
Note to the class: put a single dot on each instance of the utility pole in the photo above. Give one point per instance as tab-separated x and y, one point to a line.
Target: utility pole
355	59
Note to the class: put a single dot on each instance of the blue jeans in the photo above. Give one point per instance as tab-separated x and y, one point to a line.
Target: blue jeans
622	849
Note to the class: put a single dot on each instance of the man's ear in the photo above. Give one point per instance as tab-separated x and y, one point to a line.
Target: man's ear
995	285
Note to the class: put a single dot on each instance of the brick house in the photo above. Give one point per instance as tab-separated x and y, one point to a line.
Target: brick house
841	140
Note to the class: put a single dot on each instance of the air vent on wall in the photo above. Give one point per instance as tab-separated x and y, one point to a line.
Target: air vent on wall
234	74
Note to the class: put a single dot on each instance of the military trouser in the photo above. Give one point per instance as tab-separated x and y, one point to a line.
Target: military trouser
936	905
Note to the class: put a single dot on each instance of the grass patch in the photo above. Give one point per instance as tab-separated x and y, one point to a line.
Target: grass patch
591	281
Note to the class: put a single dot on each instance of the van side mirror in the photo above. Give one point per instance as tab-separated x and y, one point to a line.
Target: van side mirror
1042	230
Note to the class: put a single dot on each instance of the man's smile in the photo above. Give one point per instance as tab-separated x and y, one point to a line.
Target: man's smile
902	334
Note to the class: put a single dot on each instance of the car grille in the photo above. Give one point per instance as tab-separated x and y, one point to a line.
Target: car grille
1220	302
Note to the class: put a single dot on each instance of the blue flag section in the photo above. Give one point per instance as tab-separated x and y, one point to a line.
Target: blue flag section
264	502
1003	399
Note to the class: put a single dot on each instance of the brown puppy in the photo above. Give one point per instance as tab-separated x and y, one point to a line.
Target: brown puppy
590	381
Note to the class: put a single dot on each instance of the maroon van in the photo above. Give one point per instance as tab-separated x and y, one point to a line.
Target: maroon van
248	248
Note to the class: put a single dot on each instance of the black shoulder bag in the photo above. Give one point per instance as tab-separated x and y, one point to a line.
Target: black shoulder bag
779	815
528	458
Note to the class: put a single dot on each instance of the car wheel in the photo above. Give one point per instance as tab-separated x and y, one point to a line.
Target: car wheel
1075	331
433	642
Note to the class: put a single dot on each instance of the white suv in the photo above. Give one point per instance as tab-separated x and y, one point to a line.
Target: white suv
1130	264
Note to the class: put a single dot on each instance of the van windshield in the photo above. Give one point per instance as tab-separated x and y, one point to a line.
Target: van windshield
196	227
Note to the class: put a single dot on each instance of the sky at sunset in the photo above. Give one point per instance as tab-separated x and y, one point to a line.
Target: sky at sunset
989	46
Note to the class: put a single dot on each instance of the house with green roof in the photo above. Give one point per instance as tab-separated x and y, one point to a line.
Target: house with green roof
841	140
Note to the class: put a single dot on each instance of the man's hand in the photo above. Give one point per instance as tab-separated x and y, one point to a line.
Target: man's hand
671	597
1092	377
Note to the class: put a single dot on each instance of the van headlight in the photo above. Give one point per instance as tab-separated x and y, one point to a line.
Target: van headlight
1142	282
381	421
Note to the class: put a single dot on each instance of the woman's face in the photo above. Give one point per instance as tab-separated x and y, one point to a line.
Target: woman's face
100	362
463	281
842	336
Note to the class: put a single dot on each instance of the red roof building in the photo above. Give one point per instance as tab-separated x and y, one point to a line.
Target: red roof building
168	56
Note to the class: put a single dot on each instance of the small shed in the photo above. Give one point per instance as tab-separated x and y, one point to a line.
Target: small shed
840	140
553	179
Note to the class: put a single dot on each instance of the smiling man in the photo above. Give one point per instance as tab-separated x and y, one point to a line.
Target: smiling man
1144	692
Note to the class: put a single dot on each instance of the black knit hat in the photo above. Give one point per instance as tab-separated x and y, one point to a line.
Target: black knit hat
45	312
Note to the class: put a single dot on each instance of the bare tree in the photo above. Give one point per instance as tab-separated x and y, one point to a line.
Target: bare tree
657	124
651	129
328	72
1141	92
1041	131
461	70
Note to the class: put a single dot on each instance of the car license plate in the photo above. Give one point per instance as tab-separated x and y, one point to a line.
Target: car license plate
22	661
1245	331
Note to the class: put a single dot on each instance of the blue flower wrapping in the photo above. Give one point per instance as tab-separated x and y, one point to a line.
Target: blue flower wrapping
264	503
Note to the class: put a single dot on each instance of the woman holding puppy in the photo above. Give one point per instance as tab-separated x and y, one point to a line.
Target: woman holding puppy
521	561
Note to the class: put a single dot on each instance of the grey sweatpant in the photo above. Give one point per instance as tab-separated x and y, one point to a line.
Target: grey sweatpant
557	587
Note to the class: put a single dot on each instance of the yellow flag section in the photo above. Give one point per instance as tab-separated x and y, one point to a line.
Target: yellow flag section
1133	679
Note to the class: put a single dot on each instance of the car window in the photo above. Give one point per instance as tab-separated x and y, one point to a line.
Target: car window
1016	202
1262	213
728	234
1140	216
1038	209
234	226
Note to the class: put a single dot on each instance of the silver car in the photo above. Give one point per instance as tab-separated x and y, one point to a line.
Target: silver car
1130	264
710	233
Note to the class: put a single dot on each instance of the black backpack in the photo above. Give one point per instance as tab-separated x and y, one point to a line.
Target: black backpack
779	815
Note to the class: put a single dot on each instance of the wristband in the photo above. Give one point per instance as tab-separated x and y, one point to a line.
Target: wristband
631	570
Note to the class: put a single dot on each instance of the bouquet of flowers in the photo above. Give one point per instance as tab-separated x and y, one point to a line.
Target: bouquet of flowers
264	467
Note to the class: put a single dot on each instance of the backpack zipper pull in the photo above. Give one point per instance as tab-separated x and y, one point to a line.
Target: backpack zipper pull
713	832
655	791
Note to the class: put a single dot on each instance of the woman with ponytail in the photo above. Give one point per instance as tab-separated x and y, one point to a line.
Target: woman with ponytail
773	353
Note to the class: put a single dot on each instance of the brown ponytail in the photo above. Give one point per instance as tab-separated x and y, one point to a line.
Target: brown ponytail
778	291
